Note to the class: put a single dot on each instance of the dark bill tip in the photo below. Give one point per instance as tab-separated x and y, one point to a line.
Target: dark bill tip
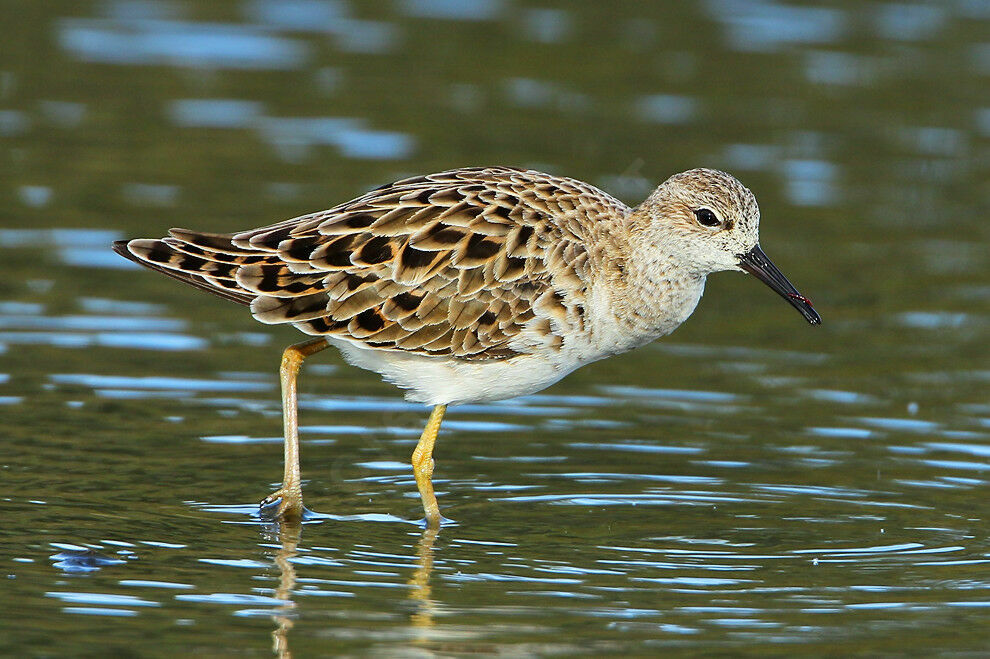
756	263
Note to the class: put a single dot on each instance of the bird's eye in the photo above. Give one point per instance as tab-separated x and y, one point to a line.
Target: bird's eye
706	218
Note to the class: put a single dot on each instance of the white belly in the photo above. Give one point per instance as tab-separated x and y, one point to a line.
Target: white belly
441	380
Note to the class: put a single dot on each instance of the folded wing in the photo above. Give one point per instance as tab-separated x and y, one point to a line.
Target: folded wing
471	263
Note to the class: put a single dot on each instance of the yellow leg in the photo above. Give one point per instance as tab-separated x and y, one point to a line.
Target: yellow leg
290	505
422	462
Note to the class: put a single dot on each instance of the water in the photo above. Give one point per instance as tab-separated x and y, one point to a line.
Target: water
747	481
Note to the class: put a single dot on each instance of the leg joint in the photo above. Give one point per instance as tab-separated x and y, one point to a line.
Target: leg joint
294	355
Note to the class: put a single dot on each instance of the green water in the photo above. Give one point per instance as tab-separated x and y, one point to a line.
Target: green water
748	485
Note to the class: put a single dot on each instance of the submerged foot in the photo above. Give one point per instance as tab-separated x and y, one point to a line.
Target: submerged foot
283	504
431	522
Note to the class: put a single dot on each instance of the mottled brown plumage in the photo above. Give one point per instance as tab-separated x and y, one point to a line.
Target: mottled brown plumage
456	264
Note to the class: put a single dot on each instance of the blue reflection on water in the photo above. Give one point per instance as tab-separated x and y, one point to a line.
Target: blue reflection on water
765	26
94	257
58	237
909	21
352	35
460	10
933	320
841	433
156	382
667	108
293	136
234	598
903	425
842	397
671	394
86	323
636	447
15	307
138	339
980	450
149	341
101	305
125	9
99	611
323	15
374	144
546	25
750	156
832	68
214	112
534	93
13	122
179	43
101	598
35	196
935	140
150	194
145	583
810	182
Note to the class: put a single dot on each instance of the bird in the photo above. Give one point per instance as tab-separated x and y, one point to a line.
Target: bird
474	284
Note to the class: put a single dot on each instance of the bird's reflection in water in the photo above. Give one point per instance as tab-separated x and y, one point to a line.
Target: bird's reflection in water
419	592
287	537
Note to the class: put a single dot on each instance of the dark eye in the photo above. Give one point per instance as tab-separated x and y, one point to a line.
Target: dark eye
706	217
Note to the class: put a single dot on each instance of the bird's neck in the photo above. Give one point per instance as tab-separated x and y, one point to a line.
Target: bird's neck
640	292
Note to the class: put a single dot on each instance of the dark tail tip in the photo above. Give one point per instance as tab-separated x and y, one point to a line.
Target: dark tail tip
120	246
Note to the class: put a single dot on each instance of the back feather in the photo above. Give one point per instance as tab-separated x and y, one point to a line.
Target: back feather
474	263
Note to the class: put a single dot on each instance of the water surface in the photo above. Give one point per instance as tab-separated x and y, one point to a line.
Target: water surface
748	485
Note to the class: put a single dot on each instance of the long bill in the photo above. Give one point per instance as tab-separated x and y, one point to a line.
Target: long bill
756	263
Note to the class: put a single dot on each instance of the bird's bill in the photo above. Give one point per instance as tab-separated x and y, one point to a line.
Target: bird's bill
756	263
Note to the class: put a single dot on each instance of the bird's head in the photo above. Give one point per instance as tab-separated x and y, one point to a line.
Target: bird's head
708	221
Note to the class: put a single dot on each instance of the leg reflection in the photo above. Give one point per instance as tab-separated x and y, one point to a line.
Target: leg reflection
288	536
419	591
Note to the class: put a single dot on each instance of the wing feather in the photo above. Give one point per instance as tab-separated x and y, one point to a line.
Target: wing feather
474	263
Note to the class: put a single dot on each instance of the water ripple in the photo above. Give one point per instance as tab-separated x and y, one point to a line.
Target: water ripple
238	599
155	382
596	499
637	447
100	598
140	41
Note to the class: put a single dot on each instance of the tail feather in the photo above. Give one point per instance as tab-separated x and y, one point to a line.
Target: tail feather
212	255
159	256
213	242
